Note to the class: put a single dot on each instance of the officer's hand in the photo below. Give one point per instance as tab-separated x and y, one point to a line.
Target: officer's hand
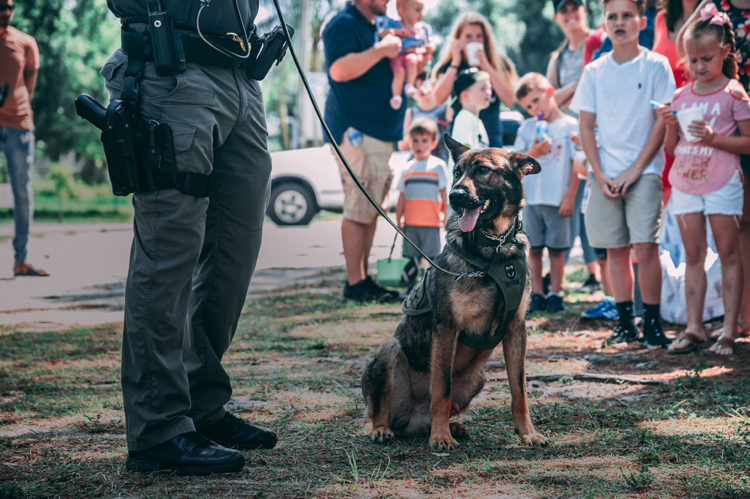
389	46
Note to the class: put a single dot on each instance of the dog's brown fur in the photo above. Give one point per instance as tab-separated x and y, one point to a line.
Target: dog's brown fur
416	380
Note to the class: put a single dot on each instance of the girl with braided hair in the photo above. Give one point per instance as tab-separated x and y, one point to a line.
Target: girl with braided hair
706	176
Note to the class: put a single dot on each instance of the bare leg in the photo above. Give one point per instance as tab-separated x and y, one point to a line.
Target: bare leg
367	245
411	72
606	280
621	273
649	272
593	269
535	266
557	267
693	232
726	235
353	235
397	84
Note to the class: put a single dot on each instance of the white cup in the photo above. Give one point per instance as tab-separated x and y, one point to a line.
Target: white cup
686	117
472	56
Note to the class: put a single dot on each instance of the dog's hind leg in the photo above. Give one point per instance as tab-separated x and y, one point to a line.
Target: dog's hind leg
378	387
514	350
441	378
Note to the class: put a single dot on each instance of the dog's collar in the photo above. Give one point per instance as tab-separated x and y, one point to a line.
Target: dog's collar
481	239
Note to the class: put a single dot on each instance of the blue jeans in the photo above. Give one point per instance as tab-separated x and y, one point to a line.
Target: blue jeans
578	228
18	147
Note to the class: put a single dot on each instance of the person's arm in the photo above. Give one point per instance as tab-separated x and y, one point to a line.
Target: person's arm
552	70
501	82
563	95
567	206
444	204
400	210
671	136
587	126
403	144
539	148
355	64
444	85
650	148
29	79
31	70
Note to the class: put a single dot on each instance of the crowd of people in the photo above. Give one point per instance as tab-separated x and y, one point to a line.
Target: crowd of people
606	125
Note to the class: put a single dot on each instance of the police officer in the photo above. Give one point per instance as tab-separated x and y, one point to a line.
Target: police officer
192	256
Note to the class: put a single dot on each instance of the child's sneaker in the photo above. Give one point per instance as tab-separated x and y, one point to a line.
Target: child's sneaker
622	334
591	285
396	102
654	334
409	90
555	303
605	310
538	303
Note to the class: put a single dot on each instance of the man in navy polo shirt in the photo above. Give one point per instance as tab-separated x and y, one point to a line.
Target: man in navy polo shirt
364	126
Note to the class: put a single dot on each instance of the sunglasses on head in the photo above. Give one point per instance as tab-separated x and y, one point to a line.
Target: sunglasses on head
7	7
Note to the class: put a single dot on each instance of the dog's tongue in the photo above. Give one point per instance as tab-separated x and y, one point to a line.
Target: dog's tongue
469	219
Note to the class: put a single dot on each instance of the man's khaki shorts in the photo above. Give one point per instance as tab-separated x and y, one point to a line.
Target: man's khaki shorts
369	162
629	219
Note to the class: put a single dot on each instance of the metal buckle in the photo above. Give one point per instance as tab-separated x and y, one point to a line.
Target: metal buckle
238	39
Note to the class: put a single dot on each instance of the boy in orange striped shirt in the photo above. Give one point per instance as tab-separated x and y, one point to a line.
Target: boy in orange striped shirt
422	203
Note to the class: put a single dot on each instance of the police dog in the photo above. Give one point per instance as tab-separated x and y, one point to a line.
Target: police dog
423	376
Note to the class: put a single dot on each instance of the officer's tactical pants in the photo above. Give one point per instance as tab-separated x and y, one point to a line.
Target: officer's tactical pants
192	258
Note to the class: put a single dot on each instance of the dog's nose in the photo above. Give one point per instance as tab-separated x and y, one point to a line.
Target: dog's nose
458	196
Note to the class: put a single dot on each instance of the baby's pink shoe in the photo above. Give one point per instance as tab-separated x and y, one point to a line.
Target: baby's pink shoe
396	102
409	90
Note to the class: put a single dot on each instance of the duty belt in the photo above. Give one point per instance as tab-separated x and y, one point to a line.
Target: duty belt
136	44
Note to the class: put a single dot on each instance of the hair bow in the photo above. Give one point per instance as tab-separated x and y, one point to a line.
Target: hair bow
711	12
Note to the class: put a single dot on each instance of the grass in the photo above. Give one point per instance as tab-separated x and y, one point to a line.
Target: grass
295	364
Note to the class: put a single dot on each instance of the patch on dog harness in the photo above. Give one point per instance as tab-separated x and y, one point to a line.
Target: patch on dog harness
419	301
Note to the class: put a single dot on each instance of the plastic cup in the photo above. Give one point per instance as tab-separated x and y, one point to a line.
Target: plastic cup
686	117
472	55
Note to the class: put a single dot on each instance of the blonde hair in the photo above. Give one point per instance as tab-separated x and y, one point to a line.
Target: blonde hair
498	60
530	82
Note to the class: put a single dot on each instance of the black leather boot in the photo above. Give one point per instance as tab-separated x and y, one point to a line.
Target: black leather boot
186	454
235	433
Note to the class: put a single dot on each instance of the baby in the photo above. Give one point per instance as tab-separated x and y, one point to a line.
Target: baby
415	49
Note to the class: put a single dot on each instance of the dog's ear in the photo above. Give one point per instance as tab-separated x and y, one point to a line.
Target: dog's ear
455	147
524	165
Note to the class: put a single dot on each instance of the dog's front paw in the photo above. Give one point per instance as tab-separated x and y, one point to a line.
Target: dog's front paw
534	438
443	442
382	435
459	431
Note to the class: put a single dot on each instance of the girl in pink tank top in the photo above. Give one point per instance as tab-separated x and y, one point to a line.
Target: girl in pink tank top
706	175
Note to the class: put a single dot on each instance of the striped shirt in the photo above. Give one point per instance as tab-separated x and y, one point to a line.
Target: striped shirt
421	184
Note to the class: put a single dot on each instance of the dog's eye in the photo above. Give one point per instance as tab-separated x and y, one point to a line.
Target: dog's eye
456	173
481	170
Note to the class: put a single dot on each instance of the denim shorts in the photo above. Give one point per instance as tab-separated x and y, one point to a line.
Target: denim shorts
725	201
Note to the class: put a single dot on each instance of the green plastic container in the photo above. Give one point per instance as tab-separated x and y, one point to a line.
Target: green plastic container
396	271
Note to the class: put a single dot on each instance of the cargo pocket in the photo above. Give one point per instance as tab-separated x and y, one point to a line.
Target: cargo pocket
111	74
183	137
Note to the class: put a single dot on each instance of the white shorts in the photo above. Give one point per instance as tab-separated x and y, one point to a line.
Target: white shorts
725	201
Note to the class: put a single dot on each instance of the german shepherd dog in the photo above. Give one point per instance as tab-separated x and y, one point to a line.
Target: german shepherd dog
420	378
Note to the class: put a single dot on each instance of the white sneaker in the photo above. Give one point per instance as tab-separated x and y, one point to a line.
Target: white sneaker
396	102
409	90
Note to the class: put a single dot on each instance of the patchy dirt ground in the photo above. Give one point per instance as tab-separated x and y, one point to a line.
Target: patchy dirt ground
623	422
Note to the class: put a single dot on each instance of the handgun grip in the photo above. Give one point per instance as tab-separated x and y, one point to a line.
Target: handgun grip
90	110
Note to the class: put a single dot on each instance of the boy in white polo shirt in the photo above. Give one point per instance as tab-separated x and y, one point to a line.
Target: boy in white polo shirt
626	159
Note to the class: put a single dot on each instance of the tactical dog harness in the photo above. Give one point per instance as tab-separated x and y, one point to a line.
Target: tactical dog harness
509	275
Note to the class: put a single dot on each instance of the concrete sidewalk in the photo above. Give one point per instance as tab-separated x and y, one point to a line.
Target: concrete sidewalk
88	264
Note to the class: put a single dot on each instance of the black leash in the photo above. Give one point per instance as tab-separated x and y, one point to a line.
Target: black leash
382	213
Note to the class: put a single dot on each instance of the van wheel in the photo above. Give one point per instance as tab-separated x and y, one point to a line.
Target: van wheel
291	204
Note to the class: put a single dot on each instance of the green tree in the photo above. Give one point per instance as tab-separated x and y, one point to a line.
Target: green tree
75	37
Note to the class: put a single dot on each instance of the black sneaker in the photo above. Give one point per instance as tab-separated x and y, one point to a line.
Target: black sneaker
622	334
555	303
358	293
538	303
654	335
380	293
186	454
236	433
591	286
546	282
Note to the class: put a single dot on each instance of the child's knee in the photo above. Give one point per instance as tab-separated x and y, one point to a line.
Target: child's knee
412	59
